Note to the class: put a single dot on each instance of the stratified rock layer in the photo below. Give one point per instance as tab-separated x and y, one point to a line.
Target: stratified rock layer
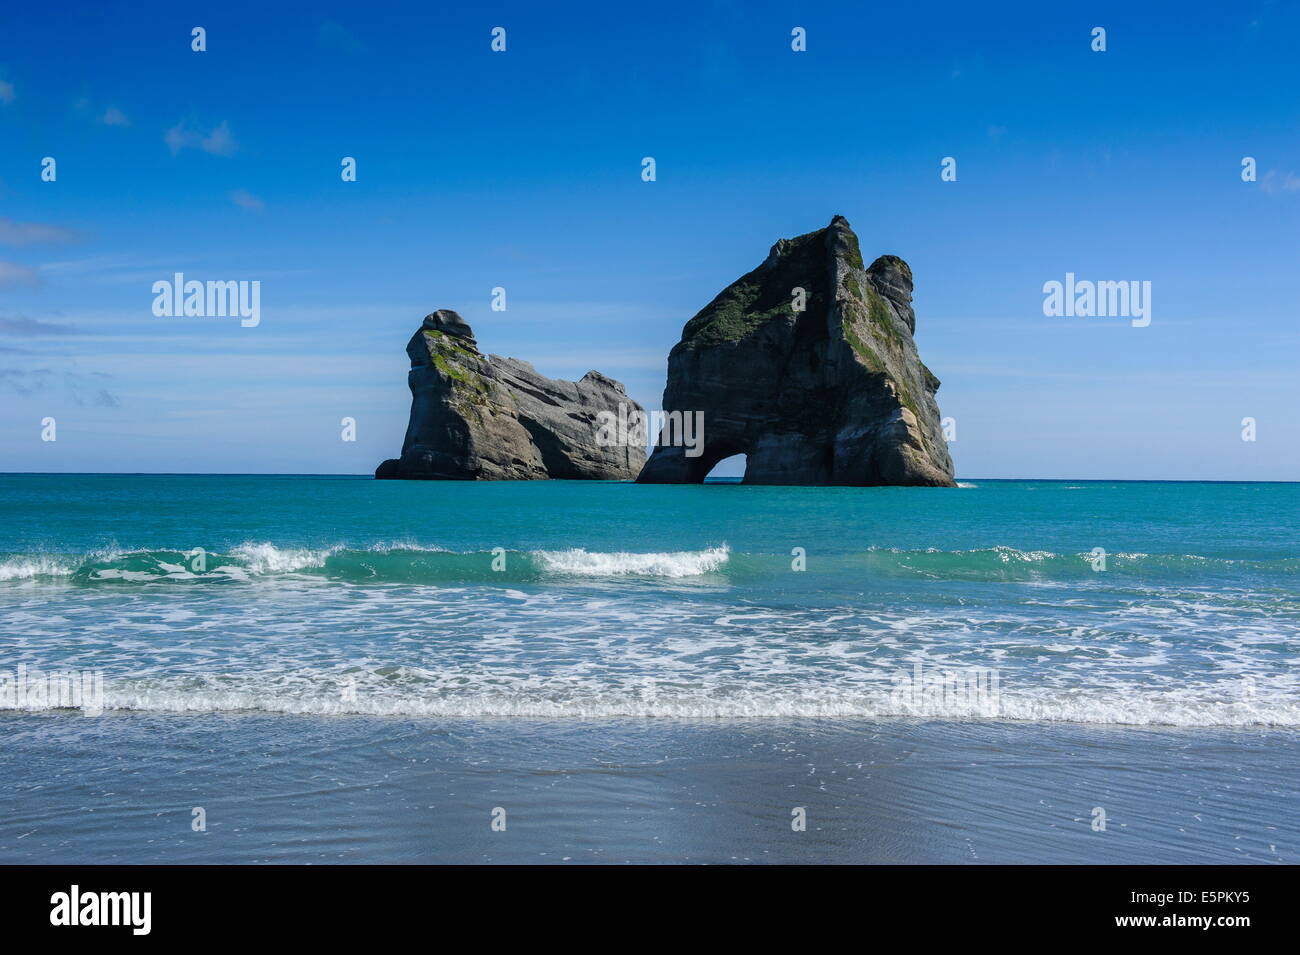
833	394
497	419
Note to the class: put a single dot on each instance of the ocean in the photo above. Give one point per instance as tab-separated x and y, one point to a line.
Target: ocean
344	669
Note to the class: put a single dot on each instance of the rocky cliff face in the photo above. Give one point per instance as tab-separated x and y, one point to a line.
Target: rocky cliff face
833	394
497	419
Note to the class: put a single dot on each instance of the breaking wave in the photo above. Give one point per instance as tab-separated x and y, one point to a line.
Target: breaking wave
409	563
399	563
405	691
582	563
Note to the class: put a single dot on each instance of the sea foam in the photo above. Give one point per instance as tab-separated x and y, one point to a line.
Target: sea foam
582	563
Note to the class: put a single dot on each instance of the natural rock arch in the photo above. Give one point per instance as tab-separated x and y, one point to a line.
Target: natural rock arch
830	393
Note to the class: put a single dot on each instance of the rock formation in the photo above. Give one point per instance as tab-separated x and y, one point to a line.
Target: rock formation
497	419
834	393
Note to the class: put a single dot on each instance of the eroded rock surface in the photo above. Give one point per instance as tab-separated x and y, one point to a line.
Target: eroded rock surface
496	419
833	394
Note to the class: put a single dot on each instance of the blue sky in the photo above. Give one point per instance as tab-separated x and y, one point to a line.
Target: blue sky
522	170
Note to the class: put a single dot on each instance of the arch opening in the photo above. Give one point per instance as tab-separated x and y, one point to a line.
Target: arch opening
729	470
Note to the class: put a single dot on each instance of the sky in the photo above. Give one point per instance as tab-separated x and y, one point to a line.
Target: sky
521	169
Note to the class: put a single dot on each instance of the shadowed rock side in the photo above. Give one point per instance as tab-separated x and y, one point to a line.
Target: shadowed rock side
835	394
497	419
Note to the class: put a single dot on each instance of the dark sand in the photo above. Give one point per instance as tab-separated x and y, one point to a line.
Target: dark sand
121	788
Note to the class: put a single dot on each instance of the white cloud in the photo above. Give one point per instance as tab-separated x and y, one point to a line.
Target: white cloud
1274	181
113	117
177	138
20	325
246	200
24	233
12	275
219	141
334	36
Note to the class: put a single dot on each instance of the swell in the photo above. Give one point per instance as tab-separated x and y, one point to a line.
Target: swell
395	563
1011	564
405	563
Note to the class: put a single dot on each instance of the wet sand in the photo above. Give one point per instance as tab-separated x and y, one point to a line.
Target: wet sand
122	788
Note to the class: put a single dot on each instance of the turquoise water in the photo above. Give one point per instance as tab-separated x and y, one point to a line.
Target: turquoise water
582	601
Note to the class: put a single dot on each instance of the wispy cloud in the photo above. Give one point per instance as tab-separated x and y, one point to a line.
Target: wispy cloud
113	117
30	327
86	108
29	381
219	141
25	233
25	382
102	398
1275	181
112	268
13	275
246	200
335	36
7	94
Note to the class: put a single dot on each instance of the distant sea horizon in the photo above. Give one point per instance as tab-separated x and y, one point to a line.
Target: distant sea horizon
709	479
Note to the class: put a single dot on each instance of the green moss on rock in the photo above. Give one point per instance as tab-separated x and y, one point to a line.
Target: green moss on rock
886	261
863	350
453	369
882	319
855	252
442	340
764	294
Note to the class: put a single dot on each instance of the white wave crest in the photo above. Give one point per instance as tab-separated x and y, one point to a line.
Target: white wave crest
413	692
269	559
26	568
582	563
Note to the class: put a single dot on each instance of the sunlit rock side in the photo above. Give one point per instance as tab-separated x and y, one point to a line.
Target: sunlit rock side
833	394
497	419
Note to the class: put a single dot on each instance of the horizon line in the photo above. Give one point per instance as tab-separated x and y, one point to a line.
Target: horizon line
370	475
